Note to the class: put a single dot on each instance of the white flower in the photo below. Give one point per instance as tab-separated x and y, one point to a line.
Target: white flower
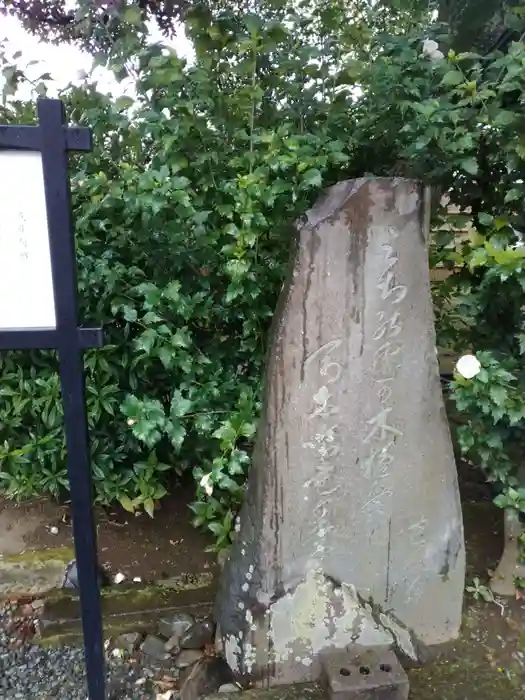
429	46
431	50
468	366
118	578
206	484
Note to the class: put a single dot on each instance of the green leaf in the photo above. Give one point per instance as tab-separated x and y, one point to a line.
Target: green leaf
132	15
123	102
166	356
485	219
180	183
512	195
498	394
180	406
180	339
313	178
149	507
176	433
226	433
127	503
130	314
470	166
248	429
146	340
453	78
520	150
172	291
504	118
253	23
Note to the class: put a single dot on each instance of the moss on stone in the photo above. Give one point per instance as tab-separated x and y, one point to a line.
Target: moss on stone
40	557
125	608
33	572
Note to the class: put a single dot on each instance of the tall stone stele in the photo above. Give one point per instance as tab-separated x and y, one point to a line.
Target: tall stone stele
351	531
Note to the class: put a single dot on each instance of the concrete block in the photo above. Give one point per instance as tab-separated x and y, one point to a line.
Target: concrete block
370	674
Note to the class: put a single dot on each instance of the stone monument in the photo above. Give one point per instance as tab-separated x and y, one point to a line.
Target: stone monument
351	531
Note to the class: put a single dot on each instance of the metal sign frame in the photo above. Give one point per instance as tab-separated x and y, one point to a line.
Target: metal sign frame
53	139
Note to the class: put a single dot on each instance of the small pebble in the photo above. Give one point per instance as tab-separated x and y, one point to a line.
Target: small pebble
229	688
29	672
129	641
198	635
188	657
175	625
154	647
172	645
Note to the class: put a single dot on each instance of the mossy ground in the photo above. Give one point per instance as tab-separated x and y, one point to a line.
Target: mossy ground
39	557
127	607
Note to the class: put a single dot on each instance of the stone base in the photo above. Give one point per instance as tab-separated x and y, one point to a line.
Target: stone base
364	674
286	643
503	582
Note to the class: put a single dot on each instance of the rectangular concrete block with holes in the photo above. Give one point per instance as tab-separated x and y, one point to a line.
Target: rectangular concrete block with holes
364	674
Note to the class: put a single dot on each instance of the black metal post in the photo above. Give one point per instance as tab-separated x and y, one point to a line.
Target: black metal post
52	122
54	139
79	469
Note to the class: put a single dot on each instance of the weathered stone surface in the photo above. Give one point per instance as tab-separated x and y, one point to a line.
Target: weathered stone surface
188	657
510	567
206	677
198	635
32	573
128	642
175	625
154	647
70	579
351	530
172	645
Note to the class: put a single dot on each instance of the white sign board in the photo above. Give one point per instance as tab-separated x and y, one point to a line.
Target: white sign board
26	284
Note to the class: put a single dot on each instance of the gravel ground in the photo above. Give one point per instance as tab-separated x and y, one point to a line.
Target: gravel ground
28	672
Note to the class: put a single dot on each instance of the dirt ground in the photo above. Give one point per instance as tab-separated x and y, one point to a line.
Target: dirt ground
486	663
136	546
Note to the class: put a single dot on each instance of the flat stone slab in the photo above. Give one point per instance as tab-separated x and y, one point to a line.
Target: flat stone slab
125	608
33	573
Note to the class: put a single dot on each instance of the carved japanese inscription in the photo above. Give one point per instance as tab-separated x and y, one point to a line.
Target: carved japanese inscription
352	495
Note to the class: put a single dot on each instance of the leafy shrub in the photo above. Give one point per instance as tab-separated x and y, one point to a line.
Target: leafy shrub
184	216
